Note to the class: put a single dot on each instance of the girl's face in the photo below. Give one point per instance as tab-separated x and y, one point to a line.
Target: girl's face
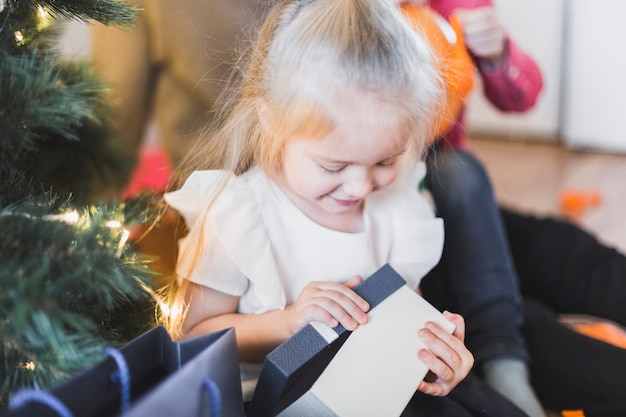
329	178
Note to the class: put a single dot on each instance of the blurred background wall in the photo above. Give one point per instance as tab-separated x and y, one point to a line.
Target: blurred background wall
579	45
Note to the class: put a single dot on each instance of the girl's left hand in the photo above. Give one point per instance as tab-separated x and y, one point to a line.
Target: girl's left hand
449	360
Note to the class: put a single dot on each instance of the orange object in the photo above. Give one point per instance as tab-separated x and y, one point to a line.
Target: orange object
572	413
574	202
603	330
454	63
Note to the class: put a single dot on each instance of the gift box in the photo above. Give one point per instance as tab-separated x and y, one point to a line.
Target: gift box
150	376
372	371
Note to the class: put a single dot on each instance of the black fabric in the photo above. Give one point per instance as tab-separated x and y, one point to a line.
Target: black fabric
571	371
471	398
564	269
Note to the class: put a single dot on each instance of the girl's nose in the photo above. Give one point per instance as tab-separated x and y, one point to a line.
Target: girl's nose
359	184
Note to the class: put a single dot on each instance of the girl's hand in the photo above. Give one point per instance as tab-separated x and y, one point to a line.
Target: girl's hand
449	360
327	302
483	33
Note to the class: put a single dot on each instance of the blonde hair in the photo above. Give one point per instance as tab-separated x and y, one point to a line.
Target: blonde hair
307	52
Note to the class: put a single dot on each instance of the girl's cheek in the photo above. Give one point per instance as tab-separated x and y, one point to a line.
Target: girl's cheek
387	178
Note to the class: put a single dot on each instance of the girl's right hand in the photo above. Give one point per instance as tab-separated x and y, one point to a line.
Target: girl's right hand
328	302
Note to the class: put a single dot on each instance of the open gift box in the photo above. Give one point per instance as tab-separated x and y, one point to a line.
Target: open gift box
372	371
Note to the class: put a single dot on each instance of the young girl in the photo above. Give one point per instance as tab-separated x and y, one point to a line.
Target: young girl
310	183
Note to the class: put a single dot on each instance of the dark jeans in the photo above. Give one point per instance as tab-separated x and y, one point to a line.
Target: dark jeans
471	398
556	266
475	277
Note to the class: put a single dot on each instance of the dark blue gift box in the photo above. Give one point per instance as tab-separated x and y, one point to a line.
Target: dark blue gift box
293	367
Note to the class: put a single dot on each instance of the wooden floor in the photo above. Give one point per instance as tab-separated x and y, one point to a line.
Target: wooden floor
533	176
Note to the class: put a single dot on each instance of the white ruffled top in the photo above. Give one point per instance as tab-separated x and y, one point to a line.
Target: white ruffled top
251	241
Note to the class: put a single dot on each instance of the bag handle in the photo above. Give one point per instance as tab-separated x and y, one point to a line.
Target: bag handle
214	399
122	375
28	395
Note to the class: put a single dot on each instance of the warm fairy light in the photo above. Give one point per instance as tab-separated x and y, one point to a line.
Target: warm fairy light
30	365
116	224
70	217
19	37
44	18
113	224
122	243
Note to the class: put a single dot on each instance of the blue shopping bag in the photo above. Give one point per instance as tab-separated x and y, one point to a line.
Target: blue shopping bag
150	376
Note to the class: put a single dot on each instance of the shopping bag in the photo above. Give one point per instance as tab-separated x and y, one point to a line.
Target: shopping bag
372	371
209	385
122	382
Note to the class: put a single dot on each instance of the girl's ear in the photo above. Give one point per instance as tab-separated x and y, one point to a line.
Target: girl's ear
263	111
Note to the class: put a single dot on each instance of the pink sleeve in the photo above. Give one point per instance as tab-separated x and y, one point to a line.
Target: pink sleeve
516	84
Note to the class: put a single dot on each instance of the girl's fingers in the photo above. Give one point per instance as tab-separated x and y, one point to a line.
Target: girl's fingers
448	358
344	305
344	293
354	281
332	303
459	324
442	359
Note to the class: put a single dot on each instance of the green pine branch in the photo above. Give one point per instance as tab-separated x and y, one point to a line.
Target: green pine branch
42	95
64	277
104	11
69	287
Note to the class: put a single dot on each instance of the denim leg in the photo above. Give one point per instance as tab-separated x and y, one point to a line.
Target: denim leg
476	271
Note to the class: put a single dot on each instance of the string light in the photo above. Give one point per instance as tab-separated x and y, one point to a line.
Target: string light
71	217
30	365
115	224
44	18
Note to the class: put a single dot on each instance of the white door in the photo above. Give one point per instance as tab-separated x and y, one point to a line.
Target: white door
595	95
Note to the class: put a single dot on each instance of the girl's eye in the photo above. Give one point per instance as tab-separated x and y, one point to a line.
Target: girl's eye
332	170
388	163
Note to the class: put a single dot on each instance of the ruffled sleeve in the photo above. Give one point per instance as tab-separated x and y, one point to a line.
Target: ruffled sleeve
417	234
227	247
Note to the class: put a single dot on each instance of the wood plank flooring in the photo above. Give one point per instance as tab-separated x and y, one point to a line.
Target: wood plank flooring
532	176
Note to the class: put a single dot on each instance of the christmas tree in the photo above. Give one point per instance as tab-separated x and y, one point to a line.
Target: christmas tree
71	282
